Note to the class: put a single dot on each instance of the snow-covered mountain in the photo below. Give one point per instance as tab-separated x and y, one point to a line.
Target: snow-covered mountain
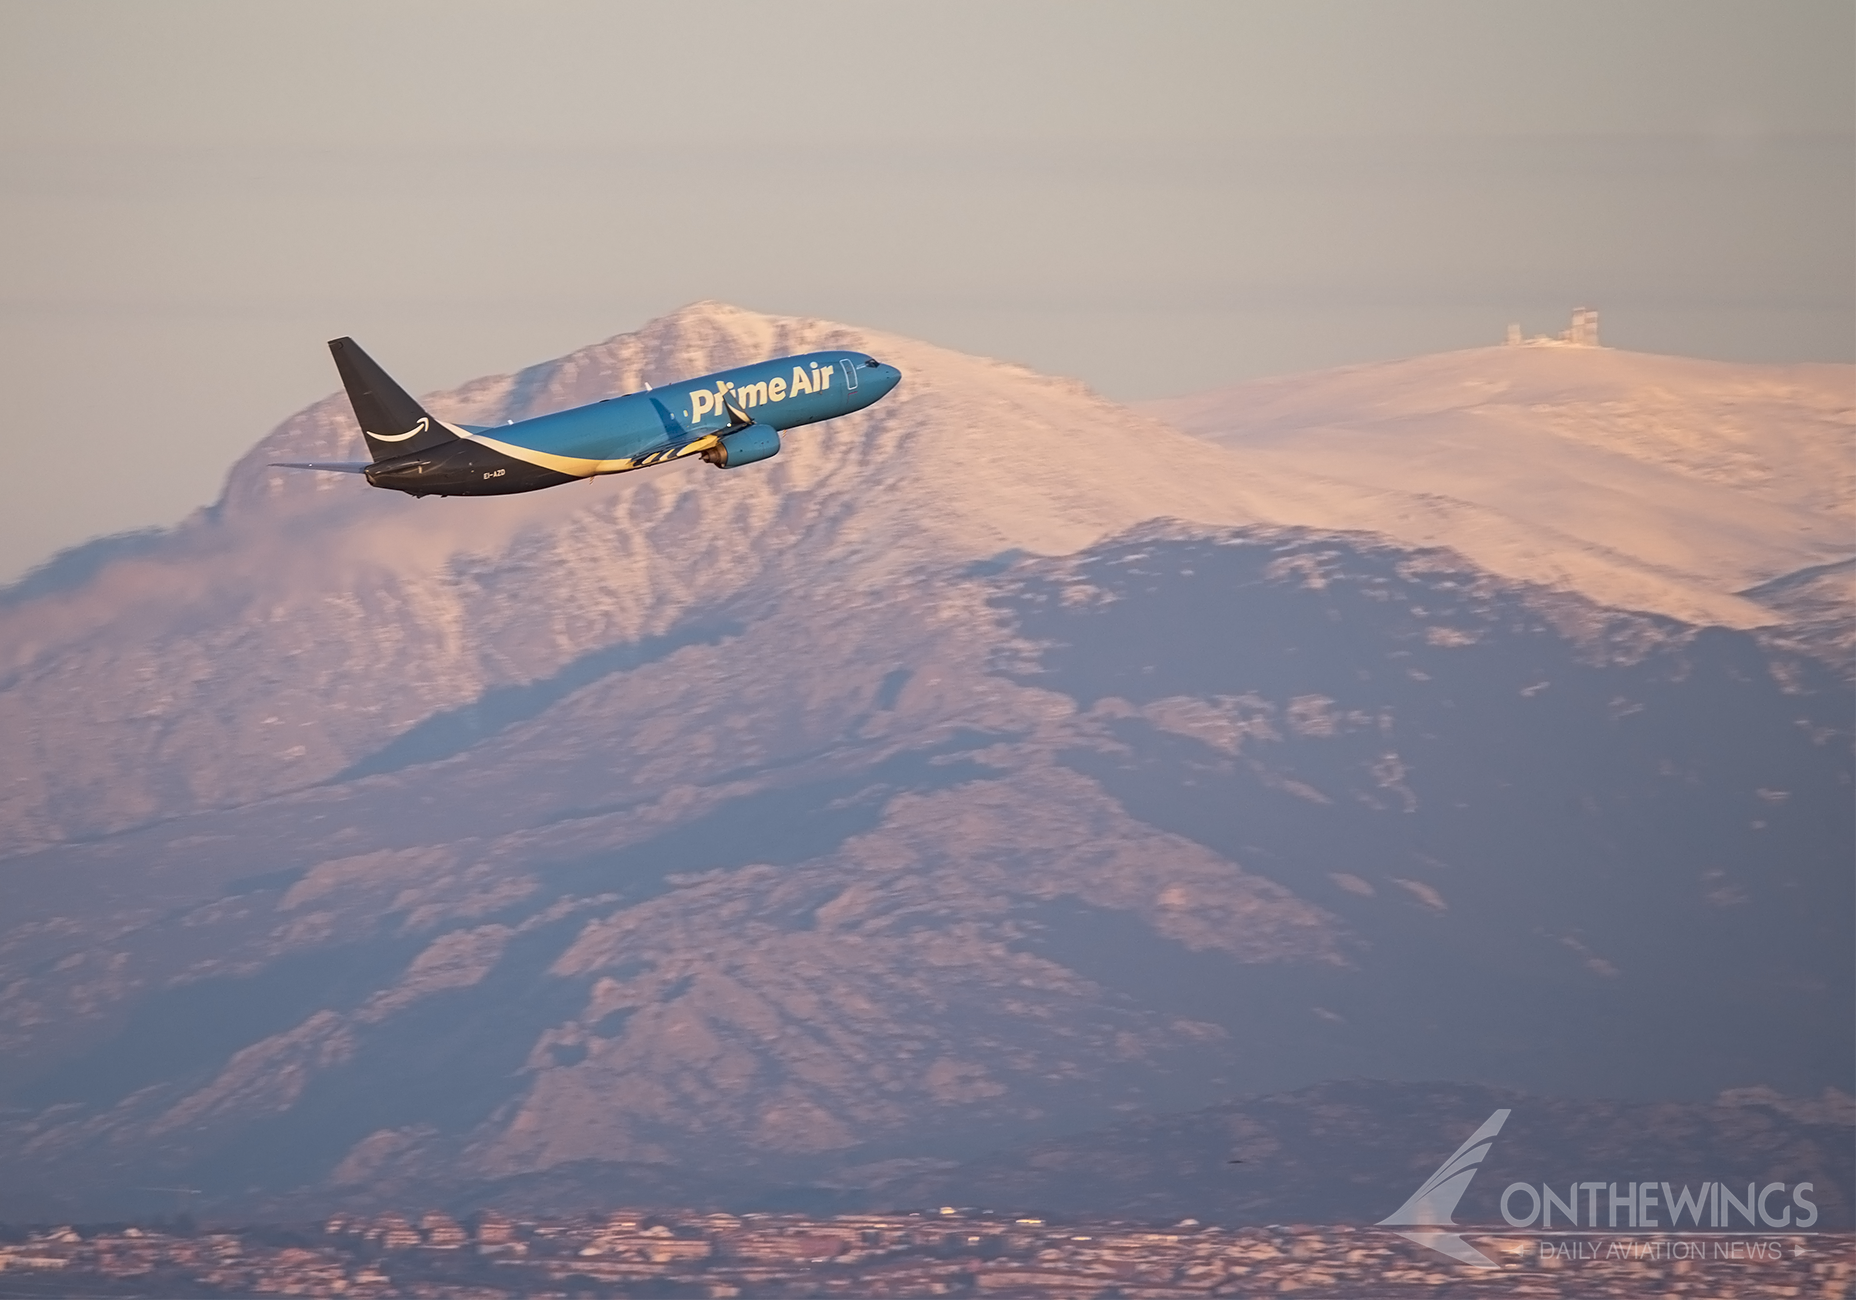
1647	482
301	623
987	765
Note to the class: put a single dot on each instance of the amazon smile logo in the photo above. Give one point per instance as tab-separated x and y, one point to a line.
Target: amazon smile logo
424	424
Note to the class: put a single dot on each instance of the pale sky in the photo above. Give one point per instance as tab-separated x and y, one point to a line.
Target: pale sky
1153	197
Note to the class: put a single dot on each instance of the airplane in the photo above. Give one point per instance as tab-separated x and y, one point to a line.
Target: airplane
729	419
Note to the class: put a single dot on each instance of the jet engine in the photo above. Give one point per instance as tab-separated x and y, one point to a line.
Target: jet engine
744	446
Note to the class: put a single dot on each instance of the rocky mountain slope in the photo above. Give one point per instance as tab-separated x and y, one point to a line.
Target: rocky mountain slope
911	797
302	624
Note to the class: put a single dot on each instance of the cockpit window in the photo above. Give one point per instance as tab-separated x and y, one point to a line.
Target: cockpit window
871	363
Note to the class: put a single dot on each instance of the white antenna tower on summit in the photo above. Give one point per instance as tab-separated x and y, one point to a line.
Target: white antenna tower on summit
1582	334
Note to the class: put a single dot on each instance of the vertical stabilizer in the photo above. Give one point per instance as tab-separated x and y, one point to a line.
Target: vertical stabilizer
393	423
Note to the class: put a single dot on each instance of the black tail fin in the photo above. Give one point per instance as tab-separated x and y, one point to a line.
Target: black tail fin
393	423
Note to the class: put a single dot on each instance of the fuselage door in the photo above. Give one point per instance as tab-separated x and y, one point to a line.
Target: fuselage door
849	368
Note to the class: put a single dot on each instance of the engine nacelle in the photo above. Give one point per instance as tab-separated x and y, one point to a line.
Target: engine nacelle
744	446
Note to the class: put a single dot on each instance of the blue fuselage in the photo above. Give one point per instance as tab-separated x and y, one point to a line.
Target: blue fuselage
731	418
639	429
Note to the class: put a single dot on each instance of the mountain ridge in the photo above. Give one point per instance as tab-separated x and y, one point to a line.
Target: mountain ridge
989	766
279	540
1650	482
1347	1151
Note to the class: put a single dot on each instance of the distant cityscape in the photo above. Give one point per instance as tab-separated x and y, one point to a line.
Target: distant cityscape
949	1252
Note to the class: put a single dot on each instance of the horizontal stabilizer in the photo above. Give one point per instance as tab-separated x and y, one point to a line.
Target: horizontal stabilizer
330	466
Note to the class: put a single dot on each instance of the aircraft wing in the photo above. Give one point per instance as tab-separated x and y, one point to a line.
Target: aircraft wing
331	466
